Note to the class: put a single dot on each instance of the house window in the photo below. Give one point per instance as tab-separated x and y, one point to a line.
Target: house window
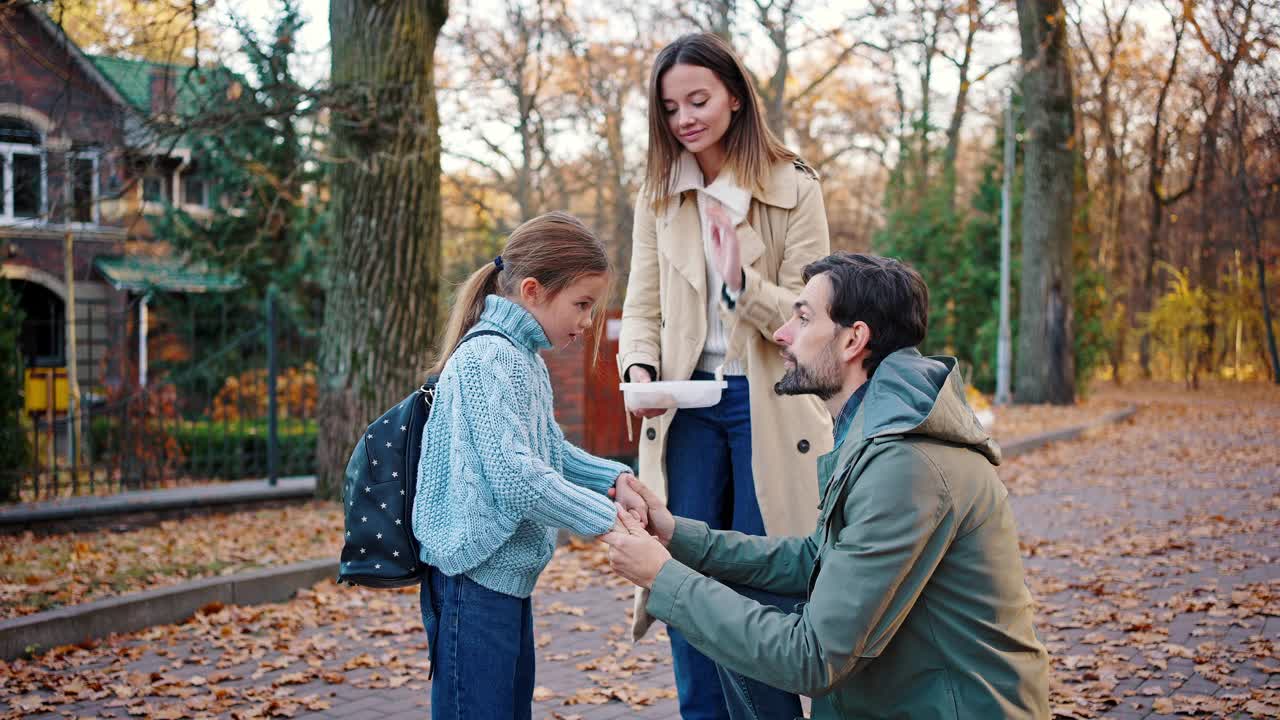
155	189
28	184
84	188
195	190
22	170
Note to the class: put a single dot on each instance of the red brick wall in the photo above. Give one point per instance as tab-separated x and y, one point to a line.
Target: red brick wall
47	254
569	385
589	405
37	73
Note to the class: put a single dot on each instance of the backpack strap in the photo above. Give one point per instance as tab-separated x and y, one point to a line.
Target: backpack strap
477	334
431	379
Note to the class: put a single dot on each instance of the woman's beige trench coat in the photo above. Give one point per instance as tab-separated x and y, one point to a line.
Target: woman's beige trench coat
664	325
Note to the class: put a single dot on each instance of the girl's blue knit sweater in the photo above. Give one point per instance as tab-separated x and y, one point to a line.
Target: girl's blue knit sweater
497	476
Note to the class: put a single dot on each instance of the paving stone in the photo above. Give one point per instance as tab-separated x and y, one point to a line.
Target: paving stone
366	715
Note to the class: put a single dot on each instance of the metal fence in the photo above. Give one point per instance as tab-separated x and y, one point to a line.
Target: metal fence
238	402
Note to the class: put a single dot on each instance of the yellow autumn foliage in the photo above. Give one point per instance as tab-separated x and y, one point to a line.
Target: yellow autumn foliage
244	396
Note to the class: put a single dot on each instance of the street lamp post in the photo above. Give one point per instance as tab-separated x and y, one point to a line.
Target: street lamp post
1004	345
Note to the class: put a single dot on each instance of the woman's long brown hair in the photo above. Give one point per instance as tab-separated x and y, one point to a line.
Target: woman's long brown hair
555	249
750	146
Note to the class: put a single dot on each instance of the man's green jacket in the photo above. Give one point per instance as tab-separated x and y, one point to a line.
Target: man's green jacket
917	606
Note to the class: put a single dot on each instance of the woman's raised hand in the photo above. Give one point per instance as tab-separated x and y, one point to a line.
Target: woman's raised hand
724	247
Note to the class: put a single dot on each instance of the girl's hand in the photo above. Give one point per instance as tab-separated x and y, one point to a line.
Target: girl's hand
724	247
623	491
638	374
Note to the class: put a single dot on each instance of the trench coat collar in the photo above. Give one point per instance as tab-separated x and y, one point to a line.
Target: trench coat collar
781	188
724	189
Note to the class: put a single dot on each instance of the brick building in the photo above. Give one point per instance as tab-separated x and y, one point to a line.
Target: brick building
79	169
82	169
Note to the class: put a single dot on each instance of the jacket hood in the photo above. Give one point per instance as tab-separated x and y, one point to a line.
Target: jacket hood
911	394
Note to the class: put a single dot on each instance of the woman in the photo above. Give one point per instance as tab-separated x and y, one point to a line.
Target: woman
700	297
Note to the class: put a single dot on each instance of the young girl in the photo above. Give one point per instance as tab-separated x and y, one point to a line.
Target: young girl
497	476
728	219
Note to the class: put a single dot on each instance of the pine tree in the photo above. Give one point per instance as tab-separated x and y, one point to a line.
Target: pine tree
267	221
959	258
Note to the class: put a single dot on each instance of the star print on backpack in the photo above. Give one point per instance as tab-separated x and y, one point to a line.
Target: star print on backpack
379	549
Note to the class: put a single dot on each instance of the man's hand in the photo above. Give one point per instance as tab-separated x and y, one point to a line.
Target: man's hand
662	524
629	499
633	553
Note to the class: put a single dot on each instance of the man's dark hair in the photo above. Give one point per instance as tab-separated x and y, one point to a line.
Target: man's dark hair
888	295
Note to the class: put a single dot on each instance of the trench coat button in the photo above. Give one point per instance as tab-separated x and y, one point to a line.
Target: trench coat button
803	446
651	434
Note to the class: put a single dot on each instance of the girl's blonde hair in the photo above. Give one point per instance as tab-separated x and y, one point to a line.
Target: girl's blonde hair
751	149
555	249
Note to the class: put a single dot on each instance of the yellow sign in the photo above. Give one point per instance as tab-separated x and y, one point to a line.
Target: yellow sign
39	393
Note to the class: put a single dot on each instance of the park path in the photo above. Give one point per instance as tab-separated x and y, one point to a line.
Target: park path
1149	547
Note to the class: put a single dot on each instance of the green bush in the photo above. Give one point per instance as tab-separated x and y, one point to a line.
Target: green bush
222	451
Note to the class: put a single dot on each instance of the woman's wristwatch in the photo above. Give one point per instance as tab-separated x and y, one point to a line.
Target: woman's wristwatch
731	297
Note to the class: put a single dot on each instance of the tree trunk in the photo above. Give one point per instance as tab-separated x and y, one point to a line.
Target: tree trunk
773	94
1209	255
929	48
622	209
720	18
1157	155
1046	364
382	299
775	98
1259	258
958	110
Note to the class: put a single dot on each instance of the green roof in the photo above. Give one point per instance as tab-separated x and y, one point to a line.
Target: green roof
133	79
139	274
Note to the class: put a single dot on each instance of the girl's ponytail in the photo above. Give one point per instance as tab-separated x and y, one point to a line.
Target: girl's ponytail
467	308
555	248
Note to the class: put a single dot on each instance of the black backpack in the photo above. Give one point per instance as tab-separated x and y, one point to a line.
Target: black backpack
379	549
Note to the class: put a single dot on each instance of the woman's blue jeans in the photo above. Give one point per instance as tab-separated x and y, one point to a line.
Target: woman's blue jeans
709	478
481	645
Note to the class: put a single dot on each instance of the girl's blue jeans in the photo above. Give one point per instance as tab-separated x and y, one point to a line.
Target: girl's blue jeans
481	645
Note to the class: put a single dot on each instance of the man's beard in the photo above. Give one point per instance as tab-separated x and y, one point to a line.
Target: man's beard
822	379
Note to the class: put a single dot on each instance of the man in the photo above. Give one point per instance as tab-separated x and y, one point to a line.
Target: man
917	606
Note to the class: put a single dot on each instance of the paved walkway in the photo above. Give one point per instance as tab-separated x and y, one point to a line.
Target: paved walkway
1151	552
1149	548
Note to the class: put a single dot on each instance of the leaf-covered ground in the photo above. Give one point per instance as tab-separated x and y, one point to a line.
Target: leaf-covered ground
1149	547
44	572
1152	549
347	651
1014	422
